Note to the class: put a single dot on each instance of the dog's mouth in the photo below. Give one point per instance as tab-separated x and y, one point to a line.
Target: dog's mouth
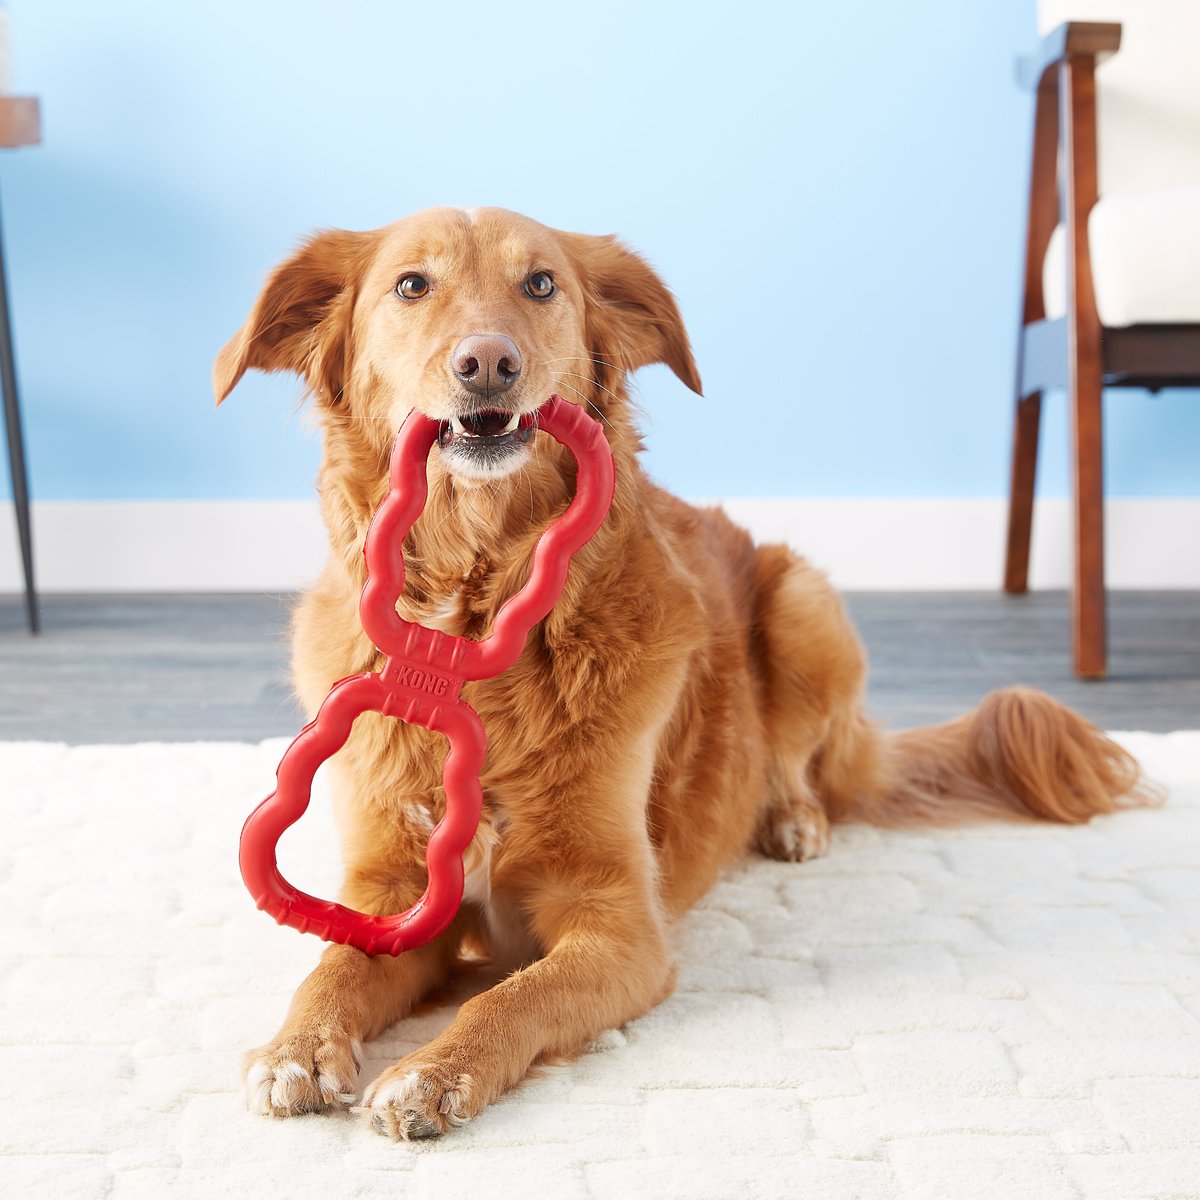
481	442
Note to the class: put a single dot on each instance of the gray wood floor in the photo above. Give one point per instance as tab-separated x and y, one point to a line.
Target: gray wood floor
214	667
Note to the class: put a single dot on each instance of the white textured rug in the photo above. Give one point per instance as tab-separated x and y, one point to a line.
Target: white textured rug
994	1012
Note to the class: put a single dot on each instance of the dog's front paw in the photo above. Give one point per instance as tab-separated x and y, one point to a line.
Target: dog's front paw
302	1073
414	1100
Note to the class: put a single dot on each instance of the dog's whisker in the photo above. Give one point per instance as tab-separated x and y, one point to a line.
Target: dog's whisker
590	402
529	485
594	383
583	358
600	362
587	400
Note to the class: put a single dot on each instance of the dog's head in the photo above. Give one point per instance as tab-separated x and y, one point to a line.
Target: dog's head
474	317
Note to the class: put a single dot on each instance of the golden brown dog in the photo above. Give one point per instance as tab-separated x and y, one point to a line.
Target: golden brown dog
690	696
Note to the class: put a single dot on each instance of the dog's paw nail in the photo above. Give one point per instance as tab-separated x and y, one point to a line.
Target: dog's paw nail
419	1127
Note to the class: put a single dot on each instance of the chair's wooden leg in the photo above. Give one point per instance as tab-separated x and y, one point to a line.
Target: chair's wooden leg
1085	372
1042	218
1020	495
1089	623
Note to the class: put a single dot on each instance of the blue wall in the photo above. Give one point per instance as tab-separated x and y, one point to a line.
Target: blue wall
833	190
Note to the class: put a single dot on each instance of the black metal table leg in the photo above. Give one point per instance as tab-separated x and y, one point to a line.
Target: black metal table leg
16	444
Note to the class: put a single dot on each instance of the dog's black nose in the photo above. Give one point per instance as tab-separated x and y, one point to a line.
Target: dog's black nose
486	362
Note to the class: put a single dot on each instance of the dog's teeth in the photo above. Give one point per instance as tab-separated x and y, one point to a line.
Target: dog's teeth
512	424
457	425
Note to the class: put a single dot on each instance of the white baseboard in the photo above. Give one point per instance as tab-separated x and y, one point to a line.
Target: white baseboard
278	545
907	544
167	545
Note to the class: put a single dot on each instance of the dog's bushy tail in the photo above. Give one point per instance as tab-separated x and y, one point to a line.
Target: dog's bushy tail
1020	754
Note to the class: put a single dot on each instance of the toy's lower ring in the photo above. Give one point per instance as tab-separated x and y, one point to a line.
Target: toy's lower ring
322	738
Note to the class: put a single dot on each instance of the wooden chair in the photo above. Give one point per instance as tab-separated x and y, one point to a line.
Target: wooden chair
1112	256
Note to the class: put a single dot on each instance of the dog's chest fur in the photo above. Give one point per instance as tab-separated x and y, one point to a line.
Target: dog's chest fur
510	942
464	605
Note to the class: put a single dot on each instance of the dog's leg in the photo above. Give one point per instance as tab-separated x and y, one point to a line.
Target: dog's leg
814	671
313	1061
590	892
608	963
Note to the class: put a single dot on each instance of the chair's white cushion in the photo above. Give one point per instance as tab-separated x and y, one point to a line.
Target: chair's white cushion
1145	259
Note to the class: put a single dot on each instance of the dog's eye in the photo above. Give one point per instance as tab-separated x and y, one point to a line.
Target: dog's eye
540	285
412	287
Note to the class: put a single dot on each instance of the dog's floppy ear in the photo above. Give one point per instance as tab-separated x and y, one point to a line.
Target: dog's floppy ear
301	320
631	315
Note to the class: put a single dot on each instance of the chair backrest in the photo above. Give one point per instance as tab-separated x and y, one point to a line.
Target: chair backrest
1148	94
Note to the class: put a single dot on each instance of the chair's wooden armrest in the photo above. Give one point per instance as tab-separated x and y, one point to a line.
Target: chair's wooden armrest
1072	39
20	121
